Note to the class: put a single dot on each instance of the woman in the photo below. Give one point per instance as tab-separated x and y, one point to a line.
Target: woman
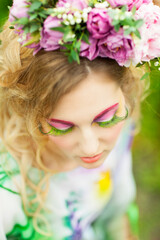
66	132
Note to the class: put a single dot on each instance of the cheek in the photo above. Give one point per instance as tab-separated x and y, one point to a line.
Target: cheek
63	142
112	134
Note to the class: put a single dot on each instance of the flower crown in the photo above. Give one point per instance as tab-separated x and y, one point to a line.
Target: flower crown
125	30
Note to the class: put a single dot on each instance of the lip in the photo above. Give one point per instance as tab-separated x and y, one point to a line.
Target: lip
91	159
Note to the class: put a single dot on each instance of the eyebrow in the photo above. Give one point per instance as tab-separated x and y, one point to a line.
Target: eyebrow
53	120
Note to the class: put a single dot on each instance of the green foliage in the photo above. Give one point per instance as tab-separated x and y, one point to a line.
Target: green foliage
121	18
72	37
152	69
4	11
93	2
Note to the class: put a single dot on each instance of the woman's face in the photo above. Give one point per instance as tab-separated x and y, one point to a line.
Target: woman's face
81	124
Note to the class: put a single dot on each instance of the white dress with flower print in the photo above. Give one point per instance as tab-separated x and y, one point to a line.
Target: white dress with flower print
76	198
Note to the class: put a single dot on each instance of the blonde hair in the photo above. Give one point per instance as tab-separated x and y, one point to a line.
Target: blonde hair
30	88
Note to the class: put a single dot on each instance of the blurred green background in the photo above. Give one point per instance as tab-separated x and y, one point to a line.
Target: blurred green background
146	156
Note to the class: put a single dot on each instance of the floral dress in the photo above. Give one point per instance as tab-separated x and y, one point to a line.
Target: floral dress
82	202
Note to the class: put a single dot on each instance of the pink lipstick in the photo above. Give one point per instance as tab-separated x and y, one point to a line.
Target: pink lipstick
91	159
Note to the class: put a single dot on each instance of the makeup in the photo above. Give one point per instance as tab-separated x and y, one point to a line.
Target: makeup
91	159
107	113
115	119
60	124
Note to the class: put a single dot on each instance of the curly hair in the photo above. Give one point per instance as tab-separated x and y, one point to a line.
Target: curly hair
30	87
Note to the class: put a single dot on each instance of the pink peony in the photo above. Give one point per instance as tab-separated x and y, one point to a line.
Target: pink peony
148	47
18	10
117	3
79	4
138	3
129	3
50	38
89	50
99	23
117	46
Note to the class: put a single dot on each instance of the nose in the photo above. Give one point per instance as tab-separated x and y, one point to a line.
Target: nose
88	142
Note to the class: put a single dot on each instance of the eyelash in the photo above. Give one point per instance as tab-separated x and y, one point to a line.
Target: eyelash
115	119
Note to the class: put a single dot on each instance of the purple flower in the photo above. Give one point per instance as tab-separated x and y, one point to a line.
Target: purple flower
50	38
117	46
89	50
18	10
99	23
79	4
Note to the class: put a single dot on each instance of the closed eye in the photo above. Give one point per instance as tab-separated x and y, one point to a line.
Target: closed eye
58	132
113	120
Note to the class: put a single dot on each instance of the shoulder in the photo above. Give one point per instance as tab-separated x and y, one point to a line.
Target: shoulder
11	210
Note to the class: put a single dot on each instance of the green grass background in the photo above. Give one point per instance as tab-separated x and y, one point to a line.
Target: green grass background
146	157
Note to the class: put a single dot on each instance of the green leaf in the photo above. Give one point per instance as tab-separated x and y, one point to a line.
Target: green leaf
26	30
68	46
117	27
128	22
59	29
155	75
75	55
33	16
35	6
139	23
137	33
85	38
133	10
23	21
42	15
70	59
145	76
124	8
127	31
34	28
140	64
115	22
77	45
11	27
77	27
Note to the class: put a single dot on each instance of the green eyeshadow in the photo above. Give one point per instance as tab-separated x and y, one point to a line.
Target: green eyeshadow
113	121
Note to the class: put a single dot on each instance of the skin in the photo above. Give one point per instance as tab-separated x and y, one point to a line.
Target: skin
80	106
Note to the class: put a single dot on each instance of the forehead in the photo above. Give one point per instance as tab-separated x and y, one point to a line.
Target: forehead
87	99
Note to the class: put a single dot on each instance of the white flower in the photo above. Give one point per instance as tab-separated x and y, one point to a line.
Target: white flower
66	22
61	9
101	5
78	20
156	64
128	14
72	22
122	17
64	16
70	17
67	5
84	15
59	16
77	14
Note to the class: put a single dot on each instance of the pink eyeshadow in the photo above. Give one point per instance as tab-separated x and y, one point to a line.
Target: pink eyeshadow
59	125
107	116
